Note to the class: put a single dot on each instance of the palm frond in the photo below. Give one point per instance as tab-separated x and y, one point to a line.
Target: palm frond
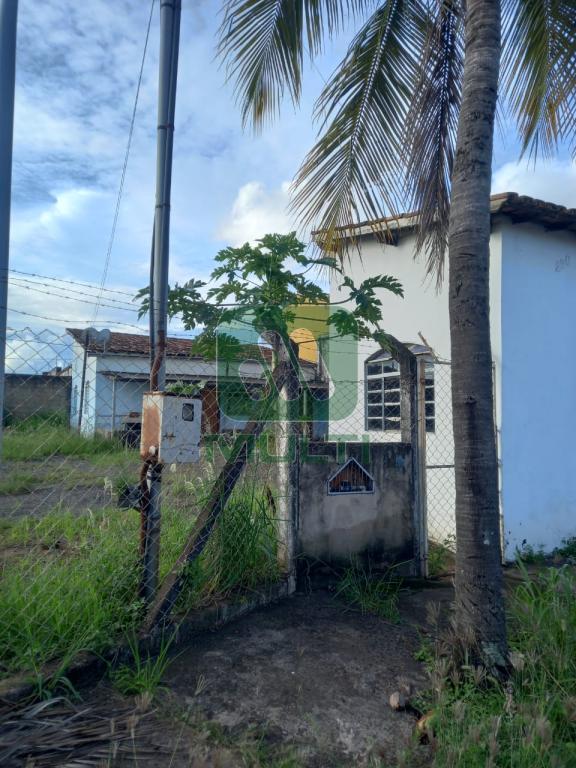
263	42
56	732
354	169
431	136
539	71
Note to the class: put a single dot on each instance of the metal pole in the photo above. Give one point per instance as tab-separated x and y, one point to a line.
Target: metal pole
170	11
169	42
8	24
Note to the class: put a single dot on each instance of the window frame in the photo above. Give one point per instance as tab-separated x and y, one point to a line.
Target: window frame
391	422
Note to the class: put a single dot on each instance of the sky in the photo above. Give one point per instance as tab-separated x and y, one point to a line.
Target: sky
77	71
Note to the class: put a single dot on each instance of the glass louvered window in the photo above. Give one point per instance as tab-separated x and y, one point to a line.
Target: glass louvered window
382	395
429	404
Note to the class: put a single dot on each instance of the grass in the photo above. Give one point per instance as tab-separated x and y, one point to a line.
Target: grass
73	583
209	743
371	593
29	441
143	676
530	720
531	555
74	589
567	549
19	482
241	553
441	556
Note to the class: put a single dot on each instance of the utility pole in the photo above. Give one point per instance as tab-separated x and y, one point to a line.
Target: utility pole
8	23
170	11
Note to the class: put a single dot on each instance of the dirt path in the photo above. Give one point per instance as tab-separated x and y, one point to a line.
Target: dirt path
305	681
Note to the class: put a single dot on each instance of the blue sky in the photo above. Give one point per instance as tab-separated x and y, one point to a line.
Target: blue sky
77	71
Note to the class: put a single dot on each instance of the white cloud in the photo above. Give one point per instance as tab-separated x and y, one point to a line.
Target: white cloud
256	211
553	181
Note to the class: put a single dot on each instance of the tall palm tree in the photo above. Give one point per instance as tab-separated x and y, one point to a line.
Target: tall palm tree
407	119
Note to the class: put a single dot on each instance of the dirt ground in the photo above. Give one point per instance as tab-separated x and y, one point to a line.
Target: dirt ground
305	682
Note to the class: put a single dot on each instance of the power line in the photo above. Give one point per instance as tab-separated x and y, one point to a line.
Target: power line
125	166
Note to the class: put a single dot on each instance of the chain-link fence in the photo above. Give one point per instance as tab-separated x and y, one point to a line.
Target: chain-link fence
92	533
439	460
440	455
73	492
368	407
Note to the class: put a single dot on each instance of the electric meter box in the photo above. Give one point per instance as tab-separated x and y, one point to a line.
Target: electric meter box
171	427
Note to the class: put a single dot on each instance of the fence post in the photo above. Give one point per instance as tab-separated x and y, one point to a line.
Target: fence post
289	466
419	465
8	25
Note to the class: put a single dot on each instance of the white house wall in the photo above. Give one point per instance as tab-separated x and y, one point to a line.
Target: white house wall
116	400
420	317
538	386
90	391
105	411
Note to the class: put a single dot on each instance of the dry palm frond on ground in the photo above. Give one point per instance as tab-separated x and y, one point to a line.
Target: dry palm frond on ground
56	732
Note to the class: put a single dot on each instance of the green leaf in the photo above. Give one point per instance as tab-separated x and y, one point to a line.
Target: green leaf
431	131
263	42
353	171
539	71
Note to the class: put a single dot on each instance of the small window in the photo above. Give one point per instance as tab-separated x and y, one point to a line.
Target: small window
188	412
383	396
350	478
429	404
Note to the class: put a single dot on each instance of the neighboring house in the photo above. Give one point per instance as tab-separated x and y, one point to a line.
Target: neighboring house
533	331
117	375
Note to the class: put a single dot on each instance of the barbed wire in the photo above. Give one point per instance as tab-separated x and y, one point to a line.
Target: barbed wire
74	298
22	282
69	282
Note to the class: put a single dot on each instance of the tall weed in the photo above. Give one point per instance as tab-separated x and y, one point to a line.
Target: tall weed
371	592
74	576
529	721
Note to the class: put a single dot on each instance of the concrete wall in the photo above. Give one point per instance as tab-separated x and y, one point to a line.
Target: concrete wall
26	395
376	526
538	386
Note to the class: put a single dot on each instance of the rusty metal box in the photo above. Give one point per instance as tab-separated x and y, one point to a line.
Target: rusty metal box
171	427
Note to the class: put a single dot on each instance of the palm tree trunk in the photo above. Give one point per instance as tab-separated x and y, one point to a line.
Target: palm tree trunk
480	615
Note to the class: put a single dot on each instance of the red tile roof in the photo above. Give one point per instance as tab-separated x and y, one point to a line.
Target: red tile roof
138	344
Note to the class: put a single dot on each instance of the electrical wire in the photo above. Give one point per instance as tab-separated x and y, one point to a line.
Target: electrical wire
125	166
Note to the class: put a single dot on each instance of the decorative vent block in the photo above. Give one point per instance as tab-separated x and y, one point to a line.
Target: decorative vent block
350	478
